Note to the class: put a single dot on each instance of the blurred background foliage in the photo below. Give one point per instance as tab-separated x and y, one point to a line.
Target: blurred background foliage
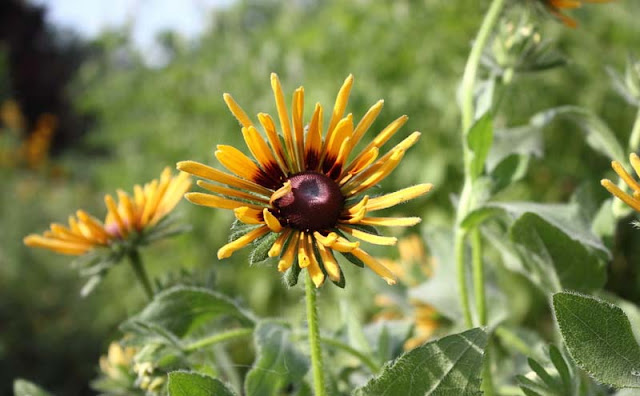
111	120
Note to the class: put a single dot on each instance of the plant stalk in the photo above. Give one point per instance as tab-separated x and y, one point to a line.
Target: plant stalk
314	338
141	273
634	138
217	338
366	360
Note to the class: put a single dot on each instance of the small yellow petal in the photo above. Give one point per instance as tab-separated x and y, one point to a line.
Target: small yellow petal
287	259
271	221
626	198
237	111
303	251
214	201
276	248
398	197
248	215
391	221
375	265
371	238
228	249
207	172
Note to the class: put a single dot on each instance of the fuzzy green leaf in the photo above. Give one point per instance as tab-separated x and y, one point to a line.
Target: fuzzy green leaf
599	338
278	364
479	140
260	252
449	366
181	309
554	259
183	383
26	388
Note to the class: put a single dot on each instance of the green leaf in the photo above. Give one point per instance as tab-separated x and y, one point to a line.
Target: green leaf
599	136
508	171
352	259
260	252
183	383
599	338
555	260
278	363
25	388
181	309
479	140
239	228
449	366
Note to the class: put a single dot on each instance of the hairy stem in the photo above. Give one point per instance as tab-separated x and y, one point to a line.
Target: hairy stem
314	338
141	273
217	338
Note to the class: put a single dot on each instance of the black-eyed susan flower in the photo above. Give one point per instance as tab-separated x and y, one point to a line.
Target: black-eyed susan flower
303	194
129	217
130	222
633	199
556	8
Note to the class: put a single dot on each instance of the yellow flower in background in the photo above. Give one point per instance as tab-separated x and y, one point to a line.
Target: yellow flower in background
118	361
130	215
633	199
413	267
555	7
305	188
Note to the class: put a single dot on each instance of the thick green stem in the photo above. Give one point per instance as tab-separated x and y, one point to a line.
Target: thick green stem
373	366
217	338
478	277
141	273
314	338
487	379
462	277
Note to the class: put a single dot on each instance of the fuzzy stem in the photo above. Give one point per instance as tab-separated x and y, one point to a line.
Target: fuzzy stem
366	360
216	338
141	273
314	338
478	277
462	277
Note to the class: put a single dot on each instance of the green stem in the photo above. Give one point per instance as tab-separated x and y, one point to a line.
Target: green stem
314	338
462	277
478	276
373	366
141	273
510	338
634	139
487	380
217	338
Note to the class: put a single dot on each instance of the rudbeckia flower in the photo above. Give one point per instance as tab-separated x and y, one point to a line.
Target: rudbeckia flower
302	197
130	221
555	7
633	199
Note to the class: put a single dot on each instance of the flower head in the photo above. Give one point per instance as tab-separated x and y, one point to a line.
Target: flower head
128	221
633	199
303	195
555	7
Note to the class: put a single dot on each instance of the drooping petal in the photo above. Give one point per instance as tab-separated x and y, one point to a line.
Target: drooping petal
231	247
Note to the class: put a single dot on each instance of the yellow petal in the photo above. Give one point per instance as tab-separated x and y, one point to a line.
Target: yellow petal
366	121
341	103
287	259
236	162
261	151
59	246
391	221
298	111
229	192
228	249
271	221
214	201
626	198
398	197
329	262
375	265
276	248
95	227
248	215
377	174
303	251
274	142
313	144
207	172
281	192
283	115
317	276
113	211
382	137
237	111
371	238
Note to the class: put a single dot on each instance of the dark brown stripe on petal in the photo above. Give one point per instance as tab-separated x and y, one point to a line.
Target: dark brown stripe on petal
312	160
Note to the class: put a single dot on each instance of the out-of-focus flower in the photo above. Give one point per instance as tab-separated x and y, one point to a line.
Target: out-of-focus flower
35	150
304	196
130	223
11	115
633	199
148	378
127	220
118	361
519	47
556	8
413	267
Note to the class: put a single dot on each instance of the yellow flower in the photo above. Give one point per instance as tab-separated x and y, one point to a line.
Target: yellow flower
304	188
131	215
555	7
633	200
118	360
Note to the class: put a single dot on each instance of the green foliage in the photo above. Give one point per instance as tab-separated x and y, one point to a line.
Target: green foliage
279	364
25	388
599	338
451	364
479	139
182	383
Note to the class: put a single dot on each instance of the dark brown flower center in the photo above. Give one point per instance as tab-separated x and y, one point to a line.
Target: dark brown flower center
313	204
